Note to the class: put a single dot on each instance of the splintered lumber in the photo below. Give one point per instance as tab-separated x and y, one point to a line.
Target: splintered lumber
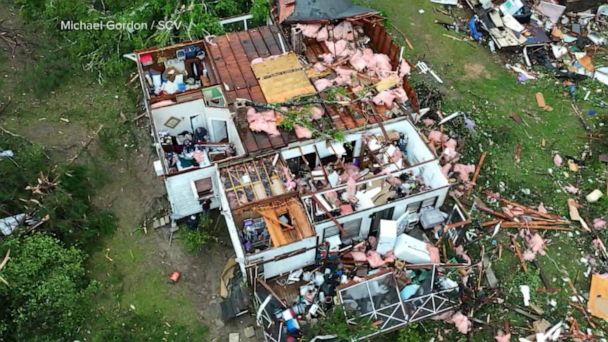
331	217
483	207
477	170
522	262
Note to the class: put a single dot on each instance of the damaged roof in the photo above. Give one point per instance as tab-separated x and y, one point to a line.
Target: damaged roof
323	10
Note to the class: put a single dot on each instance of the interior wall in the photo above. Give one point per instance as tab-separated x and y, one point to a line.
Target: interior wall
184	111
417	150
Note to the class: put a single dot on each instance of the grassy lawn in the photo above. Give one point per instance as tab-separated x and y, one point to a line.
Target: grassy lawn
478	83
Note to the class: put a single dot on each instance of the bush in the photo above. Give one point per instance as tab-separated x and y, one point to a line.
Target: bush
48	293
196	240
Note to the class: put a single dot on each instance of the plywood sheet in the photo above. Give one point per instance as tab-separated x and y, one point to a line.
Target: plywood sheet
281	88
278	65
598	296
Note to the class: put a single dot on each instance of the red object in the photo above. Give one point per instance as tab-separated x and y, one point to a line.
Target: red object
174	277
146	59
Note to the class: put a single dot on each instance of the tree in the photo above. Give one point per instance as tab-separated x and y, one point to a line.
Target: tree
48	293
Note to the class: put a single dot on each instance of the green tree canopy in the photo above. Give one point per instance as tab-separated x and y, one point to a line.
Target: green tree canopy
48	291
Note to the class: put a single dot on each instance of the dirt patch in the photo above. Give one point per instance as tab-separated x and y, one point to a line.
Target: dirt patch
475	71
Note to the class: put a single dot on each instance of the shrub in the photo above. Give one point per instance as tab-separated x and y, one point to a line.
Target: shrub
48	291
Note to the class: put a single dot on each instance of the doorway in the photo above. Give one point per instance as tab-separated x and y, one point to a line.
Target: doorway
219	131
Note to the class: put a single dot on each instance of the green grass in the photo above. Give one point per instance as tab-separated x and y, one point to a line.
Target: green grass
478	83
144	287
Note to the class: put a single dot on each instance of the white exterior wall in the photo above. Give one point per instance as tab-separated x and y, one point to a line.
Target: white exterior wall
182	197
232	230
274	268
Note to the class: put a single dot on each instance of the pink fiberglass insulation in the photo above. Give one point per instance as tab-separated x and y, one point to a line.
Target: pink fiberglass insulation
502	337
464	171
262	121
383	65
451	143
385	97
332	197
571	189
351	188
322	84
445	169
535	244
400	94
319	67
302	132
433	253
461	322
323	34
374	259
340	48
557	160
343	30
317	112
404	68
327	58
309	30
461	253
435	137
346	76
359	256
357	61
428	122
599	223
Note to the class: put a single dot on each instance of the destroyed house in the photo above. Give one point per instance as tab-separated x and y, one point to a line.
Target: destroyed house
299	133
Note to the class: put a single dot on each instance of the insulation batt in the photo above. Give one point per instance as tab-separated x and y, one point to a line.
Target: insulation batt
302	132
343	30
557	160
502	337
340	48
435	137
319	67
327	58
385	97
262	121
464	171
535	244
323	34
599	223
404	68
351	188
357	61
428	122
461	322
317	112
322	84
571	189
345	76
445	169
309	30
